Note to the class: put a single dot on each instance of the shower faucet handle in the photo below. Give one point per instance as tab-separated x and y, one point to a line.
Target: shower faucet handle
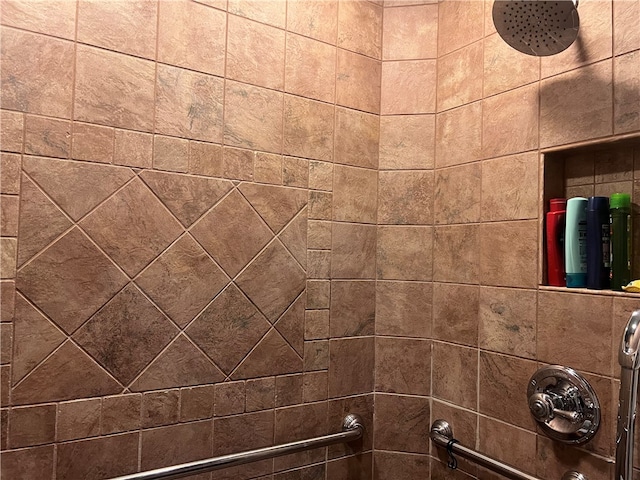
543	409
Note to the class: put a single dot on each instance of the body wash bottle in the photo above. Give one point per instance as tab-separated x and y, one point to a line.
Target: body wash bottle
620	240
555	242
575	242
598	256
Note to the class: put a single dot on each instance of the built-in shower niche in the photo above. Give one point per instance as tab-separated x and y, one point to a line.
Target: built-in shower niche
585	170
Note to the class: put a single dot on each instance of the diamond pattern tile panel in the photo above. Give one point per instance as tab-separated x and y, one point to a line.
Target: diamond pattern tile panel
70	280
291	324
133	227
272	356
183	280
126	334
294	237
276	205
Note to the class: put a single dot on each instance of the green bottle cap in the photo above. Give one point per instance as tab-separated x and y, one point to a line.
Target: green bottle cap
620	200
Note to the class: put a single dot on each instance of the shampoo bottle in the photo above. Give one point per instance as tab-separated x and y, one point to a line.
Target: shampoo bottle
620	222
575	242
598	256
555	242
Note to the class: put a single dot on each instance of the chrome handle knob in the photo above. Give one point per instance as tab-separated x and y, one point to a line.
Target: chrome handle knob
542	407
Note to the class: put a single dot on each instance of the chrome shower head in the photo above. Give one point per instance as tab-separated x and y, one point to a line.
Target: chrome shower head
535	27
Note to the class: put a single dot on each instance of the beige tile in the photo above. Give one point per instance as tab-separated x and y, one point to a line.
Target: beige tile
310	68
253	117
508	254
206	159
318	294
460	77
7	302
44	84
626	93
587	109
11	131
320	205
9	215
47	137
505	68
404	309
405	198
237	164
308	128
318	264
521	189
51	17
111	456
355	357
123	26
78	419
271	13
625	34
457	194
357	138
188	104
93	143
295	172
133	149
303	18
358	81
456	321
319	234
404	253
352	308
182	25
267	168
8	257
114	89
410	33
170	153
409	429
353	251
408	87
276	205
321	175
459	24
255	53
354	194
454	377
501	113
407	141
360	27
507	321
412	357
455	254
459	135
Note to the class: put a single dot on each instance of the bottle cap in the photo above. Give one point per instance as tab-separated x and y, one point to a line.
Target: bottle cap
620	200
557	204
598	203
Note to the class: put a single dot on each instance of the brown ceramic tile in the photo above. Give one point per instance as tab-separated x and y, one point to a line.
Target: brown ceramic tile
303	15
459	135
404	253
316	324
291	324
295	172
403	366
625	34
9	215
92	143
588	109
455	313
454	374
626	96
289	428
318	264
310	68
508	254
315	386
354	194
316	355
360	27
129	27
288	390
507	321
308	128
110	456
358	82
314	472
357	467
181	27
51	17
189	104
352	308
44	85
273	13
559	313
403	309
32	425
276	205
8	247
47	136
196	403
255	53
114	89
459	24
29	462
505	68
206	159
260	394
319	235
78	419
70	280
272	356
321	175
613	166
294	237
7	300
353	251
160	408
170	153
464	424
408	87
553	460
356	359
409	429
181	364
11	131
121	413
460	77
237	164
357	138
407	141
338	409
507	443
229	398
521	189
457	194
410	32
414	206
267	168
318	294
176	444
388	465
126	334
6	343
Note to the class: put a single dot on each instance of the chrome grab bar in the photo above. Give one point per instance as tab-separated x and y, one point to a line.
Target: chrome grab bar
352	429
442	435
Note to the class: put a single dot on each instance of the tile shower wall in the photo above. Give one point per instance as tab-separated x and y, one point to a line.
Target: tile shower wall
188	233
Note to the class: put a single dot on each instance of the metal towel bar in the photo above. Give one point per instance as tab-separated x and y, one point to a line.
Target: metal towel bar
442	435
352	429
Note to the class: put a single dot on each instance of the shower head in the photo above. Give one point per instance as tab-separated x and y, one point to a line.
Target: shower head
536	27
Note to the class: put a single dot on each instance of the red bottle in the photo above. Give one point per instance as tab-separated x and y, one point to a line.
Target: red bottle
555	242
